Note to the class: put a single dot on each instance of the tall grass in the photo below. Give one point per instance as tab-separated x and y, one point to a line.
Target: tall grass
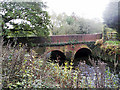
21	69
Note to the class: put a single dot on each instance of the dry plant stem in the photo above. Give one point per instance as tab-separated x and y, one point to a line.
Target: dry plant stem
42	74
77	85
5	65
31	60
102	71
79	75
85	73
71	84
1	59
18	58
96	74
80	69
1	44
115	63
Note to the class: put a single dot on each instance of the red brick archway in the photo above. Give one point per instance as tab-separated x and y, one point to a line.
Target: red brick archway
82	55
57	56
82	52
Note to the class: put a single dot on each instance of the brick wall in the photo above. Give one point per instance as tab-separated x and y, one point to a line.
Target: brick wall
76	37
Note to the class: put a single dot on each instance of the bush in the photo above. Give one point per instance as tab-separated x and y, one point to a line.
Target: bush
21	69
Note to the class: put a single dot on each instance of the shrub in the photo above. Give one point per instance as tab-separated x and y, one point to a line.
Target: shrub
21	69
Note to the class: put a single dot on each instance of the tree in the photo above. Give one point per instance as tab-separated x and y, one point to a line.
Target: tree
64	24
33	19
111	16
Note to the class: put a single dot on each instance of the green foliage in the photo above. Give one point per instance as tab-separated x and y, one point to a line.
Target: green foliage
111	47
24	19
109	33
109	51
112	42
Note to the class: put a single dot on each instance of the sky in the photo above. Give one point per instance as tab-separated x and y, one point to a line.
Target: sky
85	8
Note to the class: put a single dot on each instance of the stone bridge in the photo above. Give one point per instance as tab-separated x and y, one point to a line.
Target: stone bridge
71	47
64	47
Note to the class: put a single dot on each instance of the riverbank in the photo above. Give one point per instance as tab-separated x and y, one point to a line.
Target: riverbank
22	70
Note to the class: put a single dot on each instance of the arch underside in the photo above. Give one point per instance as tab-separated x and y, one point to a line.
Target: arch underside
57	57
82	55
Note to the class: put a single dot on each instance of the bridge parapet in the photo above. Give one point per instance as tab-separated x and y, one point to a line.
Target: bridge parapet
56	40
75	38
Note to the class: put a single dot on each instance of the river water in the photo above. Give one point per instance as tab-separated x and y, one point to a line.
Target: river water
98	75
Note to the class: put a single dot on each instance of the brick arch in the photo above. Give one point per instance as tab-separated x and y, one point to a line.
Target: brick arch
57	55
54	50
49	49
82	54
78	47
83	51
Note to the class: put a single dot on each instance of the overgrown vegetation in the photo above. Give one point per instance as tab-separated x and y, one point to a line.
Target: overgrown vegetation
22	69
109	51
109	46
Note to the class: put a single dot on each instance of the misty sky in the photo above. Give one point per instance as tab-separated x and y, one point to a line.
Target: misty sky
84	8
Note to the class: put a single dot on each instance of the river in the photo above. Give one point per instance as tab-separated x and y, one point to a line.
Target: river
98	74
